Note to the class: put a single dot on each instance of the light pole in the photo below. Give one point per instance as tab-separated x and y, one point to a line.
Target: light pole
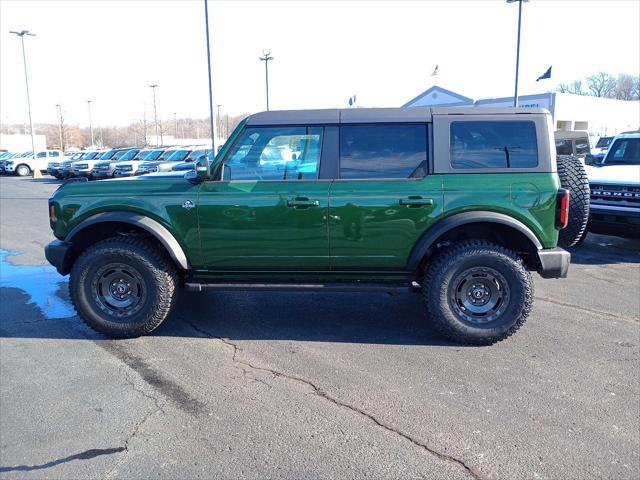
515	95
155	111
218	124
266	56
213	132
59	107
21	34
175	123
89	102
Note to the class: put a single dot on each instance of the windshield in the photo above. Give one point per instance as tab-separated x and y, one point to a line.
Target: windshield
107	155
141	155
127	154
624	151
193	156
153	155
174	155
90	155
604	142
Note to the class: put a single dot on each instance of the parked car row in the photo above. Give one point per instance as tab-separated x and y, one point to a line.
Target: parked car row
101	164
127	162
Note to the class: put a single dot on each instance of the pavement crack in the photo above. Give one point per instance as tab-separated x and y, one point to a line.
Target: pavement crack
132	435
324	395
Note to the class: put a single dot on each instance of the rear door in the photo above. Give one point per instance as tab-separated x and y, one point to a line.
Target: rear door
384	198
269	210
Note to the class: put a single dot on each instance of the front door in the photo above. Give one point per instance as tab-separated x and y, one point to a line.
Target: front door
269	211
384	199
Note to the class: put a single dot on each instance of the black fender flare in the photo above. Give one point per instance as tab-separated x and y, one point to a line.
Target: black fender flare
164	236
442	226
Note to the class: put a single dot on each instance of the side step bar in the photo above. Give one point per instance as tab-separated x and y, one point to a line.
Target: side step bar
306	287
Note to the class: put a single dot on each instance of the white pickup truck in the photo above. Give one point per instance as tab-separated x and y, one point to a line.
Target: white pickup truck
615	188
25	165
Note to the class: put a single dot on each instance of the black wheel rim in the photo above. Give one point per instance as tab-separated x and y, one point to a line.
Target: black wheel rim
480	295
119	290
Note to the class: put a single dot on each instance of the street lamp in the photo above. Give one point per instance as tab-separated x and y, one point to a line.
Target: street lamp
218	124
59	107
213	132
515	95
266	56
21	34
155	111
175	123
89	102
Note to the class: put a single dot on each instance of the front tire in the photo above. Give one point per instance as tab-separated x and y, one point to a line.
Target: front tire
23	170
477	293
123	286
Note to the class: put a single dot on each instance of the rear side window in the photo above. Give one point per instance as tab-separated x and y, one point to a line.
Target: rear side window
486	144
564	147
582	146
383	151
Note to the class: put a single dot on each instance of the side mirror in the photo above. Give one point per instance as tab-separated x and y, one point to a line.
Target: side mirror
201	171
590	160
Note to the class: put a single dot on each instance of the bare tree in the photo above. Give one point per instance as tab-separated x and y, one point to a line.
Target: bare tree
624	87
573	87
636	88
601	84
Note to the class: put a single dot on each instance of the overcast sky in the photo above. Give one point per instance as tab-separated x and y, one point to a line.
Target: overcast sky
383	51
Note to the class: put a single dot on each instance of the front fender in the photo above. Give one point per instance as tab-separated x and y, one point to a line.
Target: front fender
162	234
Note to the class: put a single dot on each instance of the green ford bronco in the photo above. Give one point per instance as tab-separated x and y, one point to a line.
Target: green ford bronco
459	205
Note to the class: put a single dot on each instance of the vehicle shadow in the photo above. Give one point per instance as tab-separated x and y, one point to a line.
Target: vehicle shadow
293	316
604	250
46	180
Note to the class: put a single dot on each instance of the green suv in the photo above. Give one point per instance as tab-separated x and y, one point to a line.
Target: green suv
460	205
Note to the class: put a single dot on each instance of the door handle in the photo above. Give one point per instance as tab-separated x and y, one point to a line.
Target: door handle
416	201
302	202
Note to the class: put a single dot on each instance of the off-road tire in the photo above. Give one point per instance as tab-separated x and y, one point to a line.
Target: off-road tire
155	272
573	177
439	292
23	170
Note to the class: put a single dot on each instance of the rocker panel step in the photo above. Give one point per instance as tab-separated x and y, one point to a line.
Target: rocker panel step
306	287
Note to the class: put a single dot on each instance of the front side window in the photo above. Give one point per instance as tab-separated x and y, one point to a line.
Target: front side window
487	144
41	154
55	154
624	151
604	142
383	151
275	153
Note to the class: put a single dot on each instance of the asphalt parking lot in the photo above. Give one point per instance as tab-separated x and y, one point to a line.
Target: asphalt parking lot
291	385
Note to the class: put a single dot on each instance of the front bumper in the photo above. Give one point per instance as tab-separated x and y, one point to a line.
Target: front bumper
620	221
57	254
119	174
554	262
98	174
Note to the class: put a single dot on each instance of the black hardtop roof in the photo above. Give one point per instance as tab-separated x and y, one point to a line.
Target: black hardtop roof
375	115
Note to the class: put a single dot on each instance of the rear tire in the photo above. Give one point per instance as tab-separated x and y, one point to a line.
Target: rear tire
477	293
573	177
23	170
123	286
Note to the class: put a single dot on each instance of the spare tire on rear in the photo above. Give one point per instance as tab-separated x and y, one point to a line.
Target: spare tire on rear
573	177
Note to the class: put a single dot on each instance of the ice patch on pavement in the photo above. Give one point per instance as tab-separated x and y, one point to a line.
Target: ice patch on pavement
40	282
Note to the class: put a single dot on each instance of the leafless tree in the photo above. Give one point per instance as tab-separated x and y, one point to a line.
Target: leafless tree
573	87
601	84
625	85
